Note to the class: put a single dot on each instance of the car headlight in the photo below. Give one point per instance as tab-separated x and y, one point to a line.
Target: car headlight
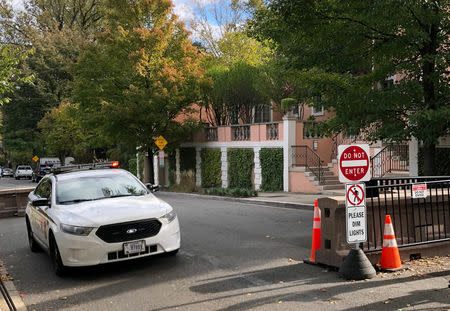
76	230
169	217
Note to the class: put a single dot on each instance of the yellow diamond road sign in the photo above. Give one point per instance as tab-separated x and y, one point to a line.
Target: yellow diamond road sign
35	158
161	142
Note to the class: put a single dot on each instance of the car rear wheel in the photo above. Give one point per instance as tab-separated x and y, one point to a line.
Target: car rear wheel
34	246
58	266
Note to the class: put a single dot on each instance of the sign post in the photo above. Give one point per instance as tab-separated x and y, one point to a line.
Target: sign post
355	211
354	167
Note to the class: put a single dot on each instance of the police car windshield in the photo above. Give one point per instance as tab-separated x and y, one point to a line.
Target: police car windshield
89	188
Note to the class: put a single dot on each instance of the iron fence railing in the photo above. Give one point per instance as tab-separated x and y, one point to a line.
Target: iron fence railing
305	156
240	132
390	158
416	221
272	131
211	133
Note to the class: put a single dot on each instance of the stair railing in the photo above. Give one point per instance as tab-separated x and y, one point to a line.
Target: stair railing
305	156
393	157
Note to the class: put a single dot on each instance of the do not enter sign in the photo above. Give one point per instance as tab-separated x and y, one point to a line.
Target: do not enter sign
354	163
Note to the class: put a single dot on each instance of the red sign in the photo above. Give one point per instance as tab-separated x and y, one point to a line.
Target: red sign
354	163
355	195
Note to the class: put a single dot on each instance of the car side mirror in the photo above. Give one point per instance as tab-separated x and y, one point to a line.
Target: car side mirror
40	202
152	188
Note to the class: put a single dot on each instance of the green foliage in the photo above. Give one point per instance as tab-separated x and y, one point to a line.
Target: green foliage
441	162
211	168
234	93
233	192
287	104
240	168
271	169
139	75
238	47
346	51
187	183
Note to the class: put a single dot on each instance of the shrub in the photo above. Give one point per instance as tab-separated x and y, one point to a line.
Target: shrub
187	183
234	192
211	168
240	168
441	162
271	160
187	159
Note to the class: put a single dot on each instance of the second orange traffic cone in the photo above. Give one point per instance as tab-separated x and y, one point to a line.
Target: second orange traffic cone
316	235
390	257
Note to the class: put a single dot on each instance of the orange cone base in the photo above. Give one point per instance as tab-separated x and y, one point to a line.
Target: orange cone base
390	260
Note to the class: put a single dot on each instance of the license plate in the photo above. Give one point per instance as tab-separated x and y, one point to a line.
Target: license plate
133	247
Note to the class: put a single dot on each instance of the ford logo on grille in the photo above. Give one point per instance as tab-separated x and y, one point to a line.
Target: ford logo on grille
131	231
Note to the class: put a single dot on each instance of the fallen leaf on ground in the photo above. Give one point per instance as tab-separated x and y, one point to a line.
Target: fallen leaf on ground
323	290
291	260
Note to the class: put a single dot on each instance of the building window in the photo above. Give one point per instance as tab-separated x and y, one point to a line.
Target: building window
262	114
317	112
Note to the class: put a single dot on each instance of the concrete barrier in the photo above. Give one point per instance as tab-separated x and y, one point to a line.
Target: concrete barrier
334	247
14	201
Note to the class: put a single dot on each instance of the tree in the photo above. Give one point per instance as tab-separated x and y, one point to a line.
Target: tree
139	75
61	131
57	31
234	93
347	50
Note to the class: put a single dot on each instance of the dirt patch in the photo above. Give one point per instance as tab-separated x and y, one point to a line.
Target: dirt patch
421	267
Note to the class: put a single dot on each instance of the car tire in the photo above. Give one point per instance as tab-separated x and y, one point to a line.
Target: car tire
34	246
58	266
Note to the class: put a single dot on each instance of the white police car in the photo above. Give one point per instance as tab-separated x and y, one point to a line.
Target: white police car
87	215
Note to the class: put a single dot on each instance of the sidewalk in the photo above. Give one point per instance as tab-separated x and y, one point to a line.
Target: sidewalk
279	199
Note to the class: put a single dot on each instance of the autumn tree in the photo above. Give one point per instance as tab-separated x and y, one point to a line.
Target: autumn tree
139	75
351	51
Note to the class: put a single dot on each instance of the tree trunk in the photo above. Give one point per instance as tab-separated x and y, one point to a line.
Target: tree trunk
429	152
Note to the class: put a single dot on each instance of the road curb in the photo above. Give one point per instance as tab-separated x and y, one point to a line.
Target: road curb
302	206
12	291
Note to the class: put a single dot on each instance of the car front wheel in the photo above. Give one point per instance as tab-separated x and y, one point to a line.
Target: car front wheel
58	266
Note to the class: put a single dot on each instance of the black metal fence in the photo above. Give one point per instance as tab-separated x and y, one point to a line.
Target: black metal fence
391	158
415	220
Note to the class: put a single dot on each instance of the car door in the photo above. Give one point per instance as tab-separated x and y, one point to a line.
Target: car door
39	217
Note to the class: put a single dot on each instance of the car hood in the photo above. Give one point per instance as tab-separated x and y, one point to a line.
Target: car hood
113	210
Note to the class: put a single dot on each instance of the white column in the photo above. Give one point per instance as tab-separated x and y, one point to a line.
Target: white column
177	166
138	169
198	166
289	124
156	169
413	147
224	160
257	168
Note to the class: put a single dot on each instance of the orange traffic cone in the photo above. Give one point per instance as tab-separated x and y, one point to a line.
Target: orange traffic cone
390	257
316	232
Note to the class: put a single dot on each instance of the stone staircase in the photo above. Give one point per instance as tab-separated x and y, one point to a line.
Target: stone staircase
331	181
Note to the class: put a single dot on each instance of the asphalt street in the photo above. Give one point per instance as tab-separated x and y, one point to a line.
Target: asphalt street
234	256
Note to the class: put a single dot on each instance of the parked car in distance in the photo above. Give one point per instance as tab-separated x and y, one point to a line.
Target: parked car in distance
40	172
23	171
7	172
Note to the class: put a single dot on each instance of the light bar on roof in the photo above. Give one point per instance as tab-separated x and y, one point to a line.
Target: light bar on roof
85	166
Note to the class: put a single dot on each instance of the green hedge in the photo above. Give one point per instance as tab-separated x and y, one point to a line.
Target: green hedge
271	160
234	192
240	168
211	168
441	162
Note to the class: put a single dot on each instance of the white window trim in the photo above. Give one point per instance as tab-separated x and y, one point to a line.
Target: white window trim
321	112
